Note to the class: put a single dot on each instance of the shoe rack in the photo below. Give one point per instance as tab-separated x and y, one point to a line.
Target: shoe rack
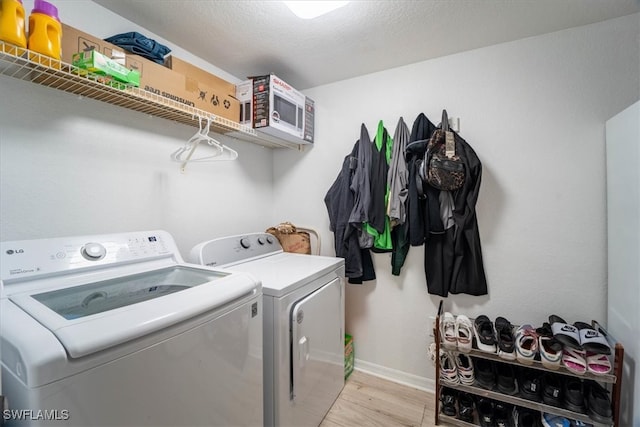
611	381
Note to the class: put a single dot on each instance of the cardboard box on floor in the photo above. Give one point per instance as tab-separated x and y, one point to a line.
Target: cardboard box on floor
154	77
349	355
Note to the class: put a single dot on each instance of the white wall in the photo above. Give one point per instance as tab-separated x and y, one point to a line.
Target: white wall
623	238
534	111
74	166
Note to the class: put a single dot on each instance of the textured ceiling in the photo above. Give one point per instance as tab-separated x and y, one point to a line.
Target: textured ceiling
248	38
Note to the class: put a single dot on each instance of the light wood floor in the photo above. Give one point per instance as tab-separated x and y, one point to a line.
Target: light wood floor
367	400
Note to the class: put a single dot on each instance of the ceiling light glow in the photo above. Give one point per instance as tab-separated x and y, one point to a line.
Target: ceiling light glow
312	9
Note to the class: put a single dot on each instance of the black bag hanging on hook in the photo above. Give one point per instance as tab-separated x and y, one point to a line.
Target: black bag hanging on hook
442	168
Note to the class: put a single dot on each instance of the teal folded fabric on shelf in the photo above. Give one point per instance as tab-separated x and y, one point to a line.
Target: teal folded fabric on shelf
139	44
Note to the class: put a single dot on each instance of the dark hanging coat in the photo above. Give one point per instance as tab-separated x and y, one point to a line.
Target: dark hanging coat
452	257
340	202
361	187
398	193
379	226
416	204
468	275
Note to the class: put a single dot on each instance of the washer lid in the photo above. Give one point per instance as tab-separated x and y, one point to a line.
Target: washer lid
285	271
94	298
94	316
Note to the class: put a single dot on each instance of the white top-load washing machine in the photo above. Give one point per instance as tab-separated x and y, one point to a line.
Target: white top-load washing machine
303	323
118	330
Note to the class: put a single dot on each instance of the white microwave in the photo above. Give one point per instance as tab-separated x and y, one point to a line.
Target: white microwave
287	113
280	110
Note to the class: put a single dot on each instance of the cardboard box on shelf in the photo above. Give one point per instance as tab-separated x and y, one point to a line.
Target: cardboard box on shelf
154	77
169	84
75	41
279	109
199	77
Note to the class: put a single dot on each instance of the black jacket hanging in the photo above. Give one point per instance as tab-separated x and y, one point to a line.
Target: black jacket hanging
468	274
416	202
398	195
361	187
340	201
452	257
379	172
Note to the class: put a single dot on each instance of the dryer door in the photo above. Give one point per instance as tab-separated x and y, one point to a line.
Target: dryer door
317	354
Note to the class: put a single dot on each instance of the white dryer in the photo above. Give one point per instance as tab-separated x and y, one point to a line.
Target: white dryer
303	327
118	330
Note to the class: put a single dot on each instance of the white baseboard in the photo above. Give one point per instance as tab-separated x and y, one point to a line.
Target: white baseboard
400	377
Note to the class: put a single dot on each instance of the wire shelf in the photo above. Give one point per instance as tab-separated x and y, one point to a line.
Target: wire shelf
27	65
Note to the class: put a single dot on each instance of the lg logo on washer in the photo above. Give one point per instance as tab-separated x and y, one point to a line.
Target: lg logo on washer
15	251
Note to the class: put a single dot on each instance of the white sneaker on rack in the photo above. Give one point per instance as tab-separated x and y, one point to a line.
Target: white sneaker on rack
526	344
464	333
464	365
448	331
432	352
448	368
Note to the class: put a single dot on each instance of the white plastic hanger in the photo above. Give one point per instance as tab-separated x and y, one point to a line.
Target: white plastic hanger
223	153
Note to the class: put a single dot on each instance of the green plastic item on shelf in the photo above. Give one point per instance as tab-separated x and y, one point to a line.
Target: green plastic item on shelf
98	63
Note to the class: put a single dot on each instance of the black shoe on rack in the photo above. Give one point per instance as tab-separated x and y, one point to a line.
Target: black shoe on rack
485	373
485	336
504	336
502	414
598	402
525	417
465	407
552	389
448	399
506	379
485	413
530	384
574	395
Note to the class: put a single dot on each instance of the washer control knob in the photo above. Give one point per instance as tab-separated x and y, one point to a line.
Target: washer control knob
245	243
260	241
270	240
93	251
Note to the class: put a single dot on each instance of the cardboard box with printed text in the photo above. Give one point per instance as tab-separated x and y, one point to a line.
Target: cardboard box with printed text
197	76
154	77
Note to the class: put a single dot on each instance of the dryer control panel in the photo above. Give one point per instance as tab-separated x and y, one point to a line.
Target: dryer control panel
234	249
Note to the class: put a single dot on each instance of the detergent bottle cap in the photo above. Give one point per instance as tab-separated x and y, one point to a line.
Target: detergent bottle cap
46	8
